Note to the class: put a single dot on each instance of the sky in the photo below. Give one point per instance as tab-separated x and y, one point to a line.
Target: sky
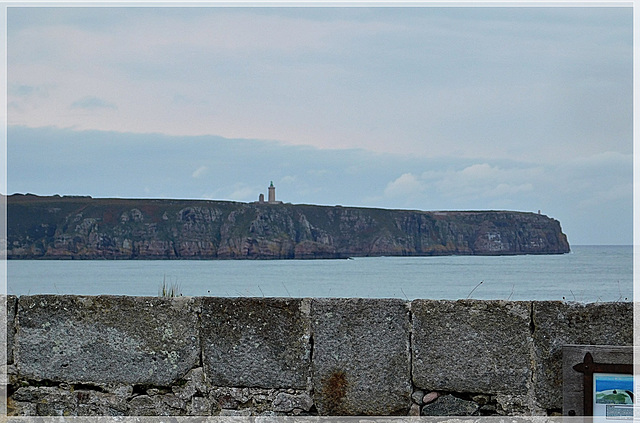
427	108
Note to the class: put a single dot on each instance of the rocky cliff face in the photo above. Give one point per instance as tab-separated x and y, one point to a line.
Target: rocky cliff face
86	228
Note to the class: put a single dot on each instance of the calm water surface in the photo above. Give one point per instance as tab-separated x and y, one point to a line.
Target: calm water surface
587	274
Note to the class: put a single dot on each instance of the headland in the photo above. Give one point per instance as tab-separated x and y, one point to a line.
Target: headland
73	227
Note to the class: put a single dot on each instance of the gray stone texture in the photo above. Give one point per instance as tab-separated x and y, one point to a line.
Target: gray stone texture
285	402
157	405
448	405
558	324
471	346
193	384
42	401
361	360
256	342
106	339
12	303
106	355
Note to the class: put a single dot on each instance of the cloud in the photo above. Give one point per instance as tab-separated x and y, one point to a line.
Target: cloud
613	160
483	180
407	185
606	177
289	179
607	195
584	193
464	82
92	103
21	90
199	171
318	172
23	98
505	189
481	183
243	192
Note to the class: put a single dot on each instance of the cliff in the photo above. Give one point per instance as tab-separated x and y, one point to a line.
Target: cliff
86	228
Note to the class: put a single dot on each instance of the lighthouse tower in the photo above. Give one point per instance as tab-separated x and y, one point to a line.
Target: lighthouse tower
272	194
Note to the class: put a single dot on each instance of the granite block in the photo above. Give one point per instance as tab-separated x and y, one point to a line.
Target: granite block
558	323
361	359
471	346
256	342
105	339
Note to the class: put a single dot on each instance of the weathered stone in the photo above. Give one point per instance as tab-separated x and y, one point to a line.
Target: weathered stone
517	405
135	340
235	413
471	345
200	406
12	302
256	342
143	405
481	399
225	401
285	402
448	405
194	383
11	374
417	396
118	389
93	403
430	397
31	393
488	409
361	356
558	323
240	394
157	405
414	410
48	400
174	402
20	408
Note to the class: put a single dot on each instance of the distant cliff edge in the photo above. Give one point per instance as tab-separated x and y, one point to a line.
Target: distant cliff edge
87	228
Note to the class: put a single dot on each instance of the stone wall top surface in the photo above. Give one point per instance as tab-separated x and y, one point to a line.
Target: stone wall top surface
256	342
361	361
138	340
471	346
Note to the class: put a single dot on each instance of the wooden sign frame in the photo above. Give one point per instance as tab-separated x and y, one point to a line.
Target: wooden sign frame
588	367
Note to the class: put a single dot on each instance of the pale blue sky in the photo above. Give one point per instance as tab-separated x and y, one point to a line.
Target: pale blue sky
423	108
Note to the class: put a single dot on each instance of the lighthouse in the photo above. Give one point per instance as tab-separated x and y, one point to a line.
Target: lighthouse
271	198
272	194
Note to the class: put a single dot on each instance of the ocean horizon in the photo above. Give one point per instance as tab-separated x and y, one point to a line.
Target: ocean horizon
589	273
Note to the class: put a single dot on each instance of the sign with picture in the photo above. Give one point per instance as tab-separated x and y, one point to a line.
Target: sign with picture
613	396
608	390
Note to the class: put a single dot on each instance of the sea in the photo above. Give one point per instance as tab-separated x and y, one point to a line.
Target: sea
586	274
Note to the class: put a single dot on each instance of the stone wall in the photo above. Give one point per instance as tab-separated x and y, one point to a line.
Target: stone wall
120	355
